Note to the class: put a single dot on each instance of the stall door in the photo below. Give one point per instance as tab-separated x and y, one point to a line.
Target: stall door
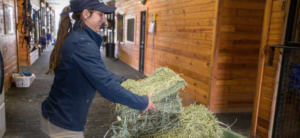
287	113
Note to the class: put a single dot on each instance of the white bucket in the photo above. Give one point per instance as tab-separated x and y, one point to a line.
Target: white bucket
23	81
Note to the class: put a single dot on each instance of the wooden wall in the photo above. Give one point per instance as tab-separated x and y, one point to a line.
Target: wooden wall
25	59
237	50
183	40
214	43
8	43
272	34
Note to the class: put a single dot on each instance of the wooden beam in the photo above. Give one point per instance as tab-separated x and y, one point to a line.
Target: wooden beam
261	64
274	101
215	49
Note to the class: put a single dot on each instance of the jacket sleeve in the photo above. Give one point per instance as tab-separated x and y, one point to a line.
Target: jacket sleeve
88	59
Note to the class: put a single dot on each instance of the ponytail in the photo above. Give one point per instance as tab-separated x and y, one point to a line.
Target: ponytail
65	27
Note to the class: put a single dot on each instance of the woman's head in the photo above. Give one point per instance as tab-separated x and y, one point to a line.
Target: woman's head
88	12
87	7
92	18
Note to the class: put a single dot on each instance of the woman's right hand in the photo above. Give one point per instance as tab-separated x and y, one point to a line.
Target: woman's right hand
150	104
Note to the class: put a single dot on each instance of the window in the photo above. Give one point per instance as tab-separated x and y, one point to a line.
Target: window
130	30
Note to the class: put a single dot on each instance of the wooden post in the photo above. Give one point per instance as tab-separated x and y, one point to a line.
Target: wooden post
277	79
215	50
17	35
261	65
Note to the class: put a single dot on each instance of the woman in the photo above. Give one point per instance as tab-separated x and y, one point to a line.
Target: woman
80	72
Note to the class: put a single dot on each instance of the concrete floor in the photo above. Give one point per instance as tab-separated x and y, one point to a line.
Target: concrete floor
23	106
241	122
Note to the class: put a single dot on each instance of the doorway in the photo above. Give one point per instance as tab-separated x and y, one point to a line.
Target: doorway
287	112
142	41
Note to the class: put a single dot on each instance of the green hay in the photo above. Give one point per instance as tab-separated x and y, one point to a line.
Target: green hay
161	84
170	120
135	125
195	122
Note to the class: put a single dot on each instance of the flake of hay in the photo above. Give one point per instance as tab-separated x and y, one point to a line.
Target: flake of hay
161	84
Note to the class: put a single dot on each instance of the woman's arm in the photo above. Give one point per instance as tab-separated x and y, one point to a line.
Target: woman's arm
88	59
118	78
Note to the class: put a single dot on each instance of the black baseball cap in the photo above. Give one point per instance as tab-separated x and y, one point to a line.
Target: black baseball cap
80	5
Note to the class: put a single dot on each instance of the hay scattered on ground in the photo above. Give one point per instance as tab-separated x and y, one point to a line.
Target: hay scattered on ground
196	121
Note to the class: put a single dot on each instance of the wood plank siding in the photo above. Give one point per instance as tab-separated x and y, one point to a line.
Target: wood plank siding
272	35
183	40
8	45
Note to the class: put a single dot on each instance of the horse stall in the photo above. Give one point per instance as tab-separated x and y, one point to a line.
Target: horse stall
214	43
276	111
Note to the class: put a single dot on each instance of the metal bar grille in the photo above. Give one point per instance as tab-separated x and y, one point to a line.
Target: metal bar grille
287	117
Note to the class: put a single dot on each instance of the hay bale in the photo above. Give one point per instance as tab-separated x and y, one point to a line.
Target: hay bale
196	121
161	84
171	119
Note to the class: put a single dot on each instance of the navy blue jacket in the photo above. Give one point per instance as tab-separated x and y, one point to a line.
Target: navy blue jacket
80	73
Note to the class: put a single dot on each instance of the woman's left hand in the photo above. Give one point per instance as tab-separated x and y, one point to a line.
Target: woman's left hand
150	104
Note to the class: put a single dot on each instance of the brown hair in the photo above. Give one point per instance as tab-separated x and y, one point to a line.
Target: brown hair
65	27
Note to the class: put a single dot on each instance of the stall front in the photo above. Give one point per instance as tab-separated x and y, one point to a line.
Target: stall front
213	43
